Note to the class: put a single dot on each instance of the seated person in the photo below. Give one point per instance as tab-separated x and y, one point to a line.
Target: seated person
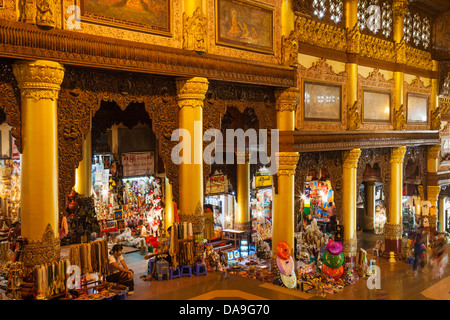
119	270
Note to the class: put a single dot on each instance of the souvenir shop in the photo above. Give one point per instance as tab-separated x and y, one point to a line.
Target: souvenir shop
411	209
219	208
261	212
314	203
128	198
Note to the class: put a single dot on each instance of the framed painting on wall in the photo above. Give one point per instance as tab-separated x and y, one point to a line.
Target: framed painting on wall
416	108
245	25
321	102
151	16
376	106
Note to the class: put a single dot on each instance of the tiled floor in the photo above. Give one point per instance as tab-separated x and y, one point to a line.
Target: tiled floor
397	283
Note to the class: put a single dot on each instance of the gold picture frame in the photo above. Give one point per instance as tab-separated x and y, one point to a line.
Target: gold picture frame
135	15
374	115
412	109
311	109
245	25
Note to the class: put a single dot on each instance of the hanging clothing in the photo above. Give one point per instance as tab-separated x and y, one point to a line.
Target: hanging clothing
64	229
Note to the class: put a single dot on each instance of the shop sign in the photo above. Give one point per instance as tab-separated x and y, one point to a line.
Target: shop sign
263	181
138	163
217	184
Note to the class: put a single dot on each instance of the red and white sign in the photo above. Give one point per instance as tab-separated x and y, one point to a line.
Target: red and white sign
138	163
217	184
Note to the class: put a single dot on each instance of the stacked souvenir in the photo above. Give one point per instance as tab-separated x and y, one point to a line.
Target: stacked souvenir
333	259
285	264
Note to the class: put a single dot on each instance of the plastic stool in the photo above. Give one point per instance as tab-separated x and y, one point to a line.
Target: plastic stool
175	273
162	269
186	271
200	269
151	265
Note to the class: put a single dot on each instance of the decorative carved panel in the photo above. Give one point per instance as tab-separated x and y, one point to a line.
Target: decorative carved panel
376	80
10	102
417	86
321	71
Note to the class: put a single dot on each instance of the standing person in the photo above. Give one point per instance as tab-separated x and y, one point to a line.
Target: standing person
440	259
14	234
119	270
332	217
419	248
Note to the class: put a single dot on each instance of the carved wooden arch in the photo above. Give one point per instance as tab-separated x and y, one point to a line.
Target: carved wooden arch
330	160
382	158
242	97
10	102
82	92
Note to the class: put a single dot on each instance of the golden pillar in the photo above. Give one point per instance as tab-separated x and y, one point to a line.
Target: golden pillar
283	218
369	219
191	5
393	233
242	218
399	10
39	82
349	194
433	190
169	214
83	174
287	18
283	223
191	93
353	38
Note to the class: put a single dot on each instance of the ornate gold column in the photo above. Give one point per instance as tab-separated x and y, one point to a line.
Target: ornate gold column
399	10
242	218
283	218
287	18
283	202
39	82
191	93
353	37
393	228
83	174
433	190
168	204
435	111
349	191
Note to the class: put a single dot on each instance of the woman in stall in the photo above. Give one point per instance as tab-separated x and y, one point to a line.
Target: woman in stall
119	270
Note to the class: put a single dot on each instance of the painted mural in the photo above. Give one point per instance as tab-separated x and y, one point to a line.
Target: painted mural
244	25
147	15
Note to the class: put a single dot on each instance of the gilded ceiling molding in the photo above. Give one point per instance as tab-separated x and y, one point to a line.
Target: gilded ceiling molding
320	34
195	35
418	58
377	48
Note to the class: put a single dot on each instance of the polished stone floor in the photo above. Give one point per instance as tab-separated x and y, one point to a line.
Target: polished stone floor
397	283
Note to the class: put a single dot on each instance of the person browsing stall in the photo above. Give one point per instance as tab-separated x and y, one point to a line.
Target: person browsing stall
119	269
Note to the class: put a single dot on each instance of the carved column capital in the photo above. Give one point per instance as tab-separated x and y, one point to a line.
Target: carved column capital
242	157
433	193
191	91
287	163
433	152
39	79
351	158
397	154
399	8
287	99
